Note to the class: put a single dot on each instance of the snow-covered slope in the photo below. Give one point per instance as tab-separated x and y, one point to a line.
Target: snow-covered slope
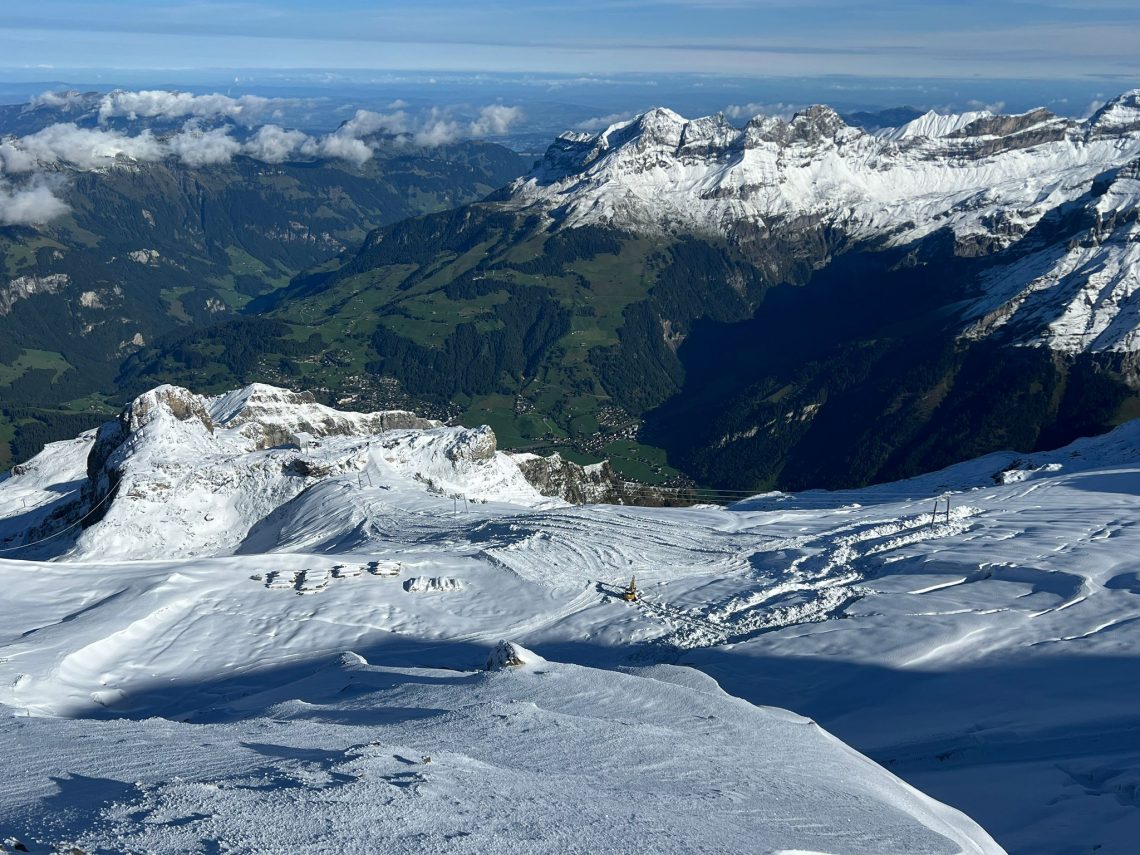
179	475
1084	295
982	647
933	124
992	181
544	758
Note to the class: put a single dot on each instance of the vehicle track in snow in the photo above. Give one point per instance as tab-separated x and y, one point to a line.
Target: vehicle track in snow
816	586
577	546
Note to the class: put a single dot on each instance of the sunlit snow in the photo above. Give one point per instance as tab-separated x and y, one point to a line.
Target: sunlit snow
312	669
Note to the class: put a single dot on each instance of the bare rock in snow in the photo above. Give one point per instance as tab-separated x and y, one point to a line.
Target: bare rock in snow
475	445
432	584
180	403
507	654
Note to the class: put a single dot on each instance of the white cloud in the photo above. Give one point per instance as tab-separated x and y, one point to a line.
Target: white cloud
275	144
495	120
778	110
434	128
160	103
27	197
94	148
15	160
82	148
600	123
29	205
87	148
994	107
196	147
341	147
437	131
64	100
367	122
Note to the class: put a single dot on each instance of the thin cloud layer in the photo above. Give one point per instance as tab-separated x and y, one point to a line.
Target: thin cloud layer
26	198
737	112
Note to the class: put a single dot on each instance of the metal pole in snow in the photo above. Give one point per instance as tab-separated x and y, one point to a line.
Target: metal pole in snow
947	510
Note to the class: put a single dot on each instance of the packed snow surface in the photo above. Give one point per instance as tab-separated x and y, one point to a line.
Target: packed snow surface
283	686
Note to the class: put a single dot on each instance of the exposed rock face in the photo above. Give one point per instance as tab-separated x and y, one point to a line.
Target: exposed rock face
563	479
271	417
1076	295
479	444
597	483
181	403
23	287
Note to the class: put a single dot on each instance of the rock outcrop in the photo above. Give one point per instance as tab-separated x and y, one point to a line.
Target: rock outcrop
508	655
23	287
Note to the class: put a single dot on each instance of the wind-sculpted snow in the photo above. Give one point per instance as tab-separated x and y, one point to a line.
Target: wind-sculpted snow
546	757
973	630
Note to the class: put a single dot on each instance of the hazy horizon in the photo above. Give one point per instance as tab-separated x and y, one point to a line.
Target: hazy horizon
1047	39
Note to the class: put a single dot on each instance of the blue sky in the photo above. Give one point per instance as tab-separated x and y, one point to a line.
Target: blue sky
1044	39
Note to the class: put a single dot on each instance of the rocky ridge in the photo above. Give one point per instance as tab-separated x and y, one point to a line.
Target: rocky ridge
661	172
813	187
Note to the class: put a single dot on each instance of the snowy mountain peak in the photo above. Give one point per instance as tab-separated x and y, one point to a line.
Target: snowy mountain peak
985	182
1121	115
662	173
933	125
165	402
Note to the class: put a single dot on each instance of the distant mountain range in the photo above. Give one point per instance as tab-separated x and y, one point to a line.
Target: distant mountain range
792	303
